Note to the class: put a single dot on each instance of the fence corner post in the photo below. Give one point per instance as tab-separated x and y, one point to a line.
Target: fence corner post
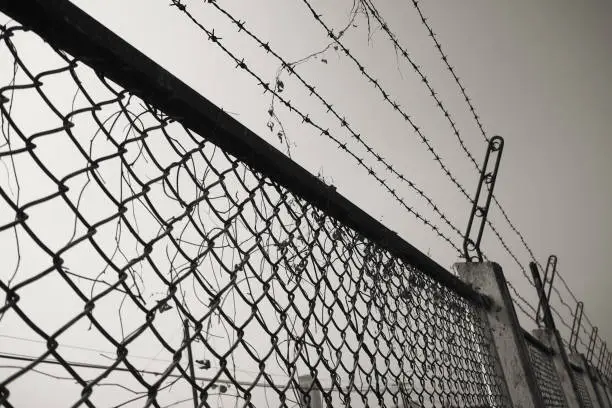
487	278
548	338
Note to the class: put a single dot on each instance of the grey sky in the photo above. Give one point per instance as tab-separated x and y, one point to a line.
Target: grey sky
538	74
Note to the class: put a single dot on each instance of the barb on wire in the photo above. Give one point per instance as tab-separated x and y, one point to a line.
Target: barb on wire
416	129
446	113
200	252
477	118
240	63
290	66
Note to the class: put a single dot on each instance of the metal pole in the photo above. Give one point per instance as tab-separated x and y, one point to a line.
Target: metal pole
471	246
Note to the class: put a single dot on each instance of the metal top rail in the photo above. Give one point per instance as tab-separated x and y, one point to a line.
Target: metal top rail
67	27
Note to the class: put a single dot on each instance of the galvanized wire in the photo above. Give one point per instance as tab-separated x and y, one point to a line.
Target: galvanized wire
583	394
445	59
131	231
546	377
360	161
395	105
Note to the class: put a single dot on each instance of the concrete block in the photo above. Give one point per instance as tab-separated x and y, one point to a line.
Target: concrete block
488	279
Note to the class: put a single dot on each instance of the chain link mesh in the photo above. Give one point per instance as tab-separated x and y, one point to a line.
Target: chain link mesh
608	393
141	263
583	394
546	377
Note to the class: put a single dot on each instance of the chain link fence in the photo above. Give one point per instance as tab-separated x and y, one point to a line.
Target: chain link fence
145	265
546	376
583	394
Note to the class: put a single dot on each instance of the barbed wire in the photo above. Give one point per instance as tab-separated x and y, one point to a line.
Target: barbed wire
472	109
560	318
341	118
443	316
388	99
417	130
444	57
435	95
241	64
474	114
476	117
308	245
241	27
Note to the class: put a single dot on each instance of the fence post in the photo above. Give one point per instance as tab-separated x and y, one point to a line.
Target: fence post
488	279
550	337
580	361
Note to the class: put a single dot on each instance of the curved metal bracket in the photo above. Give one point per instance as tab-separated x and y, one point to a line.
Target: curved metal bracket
537	280
480	207
576	326
602	353
589	355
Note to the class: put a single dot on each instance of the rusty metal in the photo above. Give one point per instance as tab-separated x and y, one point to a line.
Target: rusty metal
482	201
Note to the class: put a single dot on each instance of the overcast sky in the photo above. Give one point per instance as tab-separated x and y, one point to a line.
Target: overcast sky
538	74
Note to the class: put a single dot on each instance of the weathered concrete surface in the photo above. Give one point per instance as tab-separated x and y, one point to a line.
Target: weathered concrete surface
488	279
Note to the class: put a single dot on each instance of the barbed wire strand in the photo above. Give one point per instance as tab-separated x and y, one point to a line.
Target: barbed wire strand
417	130
241	27
477	118
341	118
395	105
241	64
